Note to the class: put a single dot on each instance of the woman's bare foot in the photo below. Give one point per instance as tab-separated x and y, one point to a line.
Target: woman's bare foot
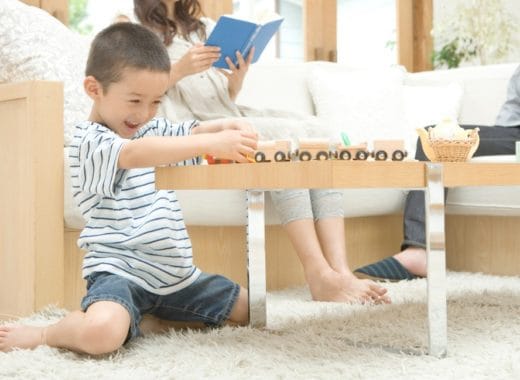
335	287
21	336
414	259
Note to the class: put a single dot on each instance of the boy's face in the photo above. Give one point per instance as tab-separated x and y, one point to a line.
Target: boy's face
127	105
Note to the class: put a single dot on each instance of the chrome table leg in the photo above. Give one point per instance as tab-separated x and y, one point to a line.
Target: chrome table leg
436	252
256	275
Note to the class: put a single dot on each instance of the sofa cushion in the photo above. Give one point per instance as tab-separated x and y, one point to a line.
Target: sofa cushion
484	89
428	105
345	97
366	104
36	46
277	85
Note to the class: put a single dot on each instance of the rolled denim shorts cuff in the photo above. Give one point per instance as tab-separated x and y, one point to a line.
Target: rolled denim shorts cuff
411	243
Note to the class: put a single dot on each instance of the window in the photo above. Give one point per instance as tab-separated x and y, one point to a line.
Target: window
366	32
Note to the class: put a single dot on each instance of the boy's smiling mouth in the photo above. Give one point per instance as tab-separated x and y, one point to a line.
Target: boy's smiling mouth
131	125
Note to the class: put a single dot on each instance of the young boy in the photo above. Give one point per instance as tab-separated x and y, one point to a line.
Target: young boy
139	257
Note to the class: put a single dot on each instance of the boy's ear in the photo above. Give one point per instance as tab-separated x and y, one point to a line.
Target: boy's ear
92	87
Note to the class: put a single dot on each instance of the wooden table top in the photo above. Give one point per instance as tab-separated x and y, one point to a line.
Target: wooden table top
333	174
308	174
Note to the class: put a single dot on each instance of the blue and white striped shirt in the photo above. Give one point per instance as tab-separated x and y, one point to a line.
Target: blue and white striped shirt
132	229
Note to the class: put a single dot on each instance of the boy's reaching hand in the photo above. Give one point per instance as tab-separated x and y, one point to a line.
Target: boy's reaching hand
234	144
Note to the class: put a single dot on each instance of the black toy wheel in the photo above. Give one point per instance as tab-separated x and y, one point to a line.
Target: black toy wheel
345	155
361	155
260	157
279	156
322	155
381	155
398	155
305	156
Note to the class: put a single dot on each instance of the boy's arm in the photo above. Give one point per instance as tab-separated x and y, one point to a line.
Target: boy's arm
230	141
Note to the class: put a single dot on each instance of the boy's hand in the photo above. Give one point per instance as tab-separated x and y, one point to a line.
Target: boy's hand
233	144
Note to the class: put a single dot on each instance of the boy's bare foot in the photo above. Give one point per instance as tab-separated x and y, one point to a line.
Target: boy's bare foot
21	336
414	259
335	287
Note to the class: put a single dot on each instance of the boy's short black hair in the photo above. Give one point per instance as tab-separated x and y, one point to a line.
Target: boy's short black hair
125	45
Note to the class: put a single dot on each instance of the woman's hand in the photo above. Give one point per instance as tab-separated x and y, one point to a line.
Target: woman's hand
197	59
236	74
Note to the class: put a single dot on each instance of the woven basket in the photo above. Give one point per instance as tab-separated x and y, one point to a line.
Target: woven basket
443	150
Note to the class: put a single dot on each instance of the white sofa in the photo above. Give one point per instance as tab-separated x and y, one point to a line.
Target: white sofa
371	103
475	92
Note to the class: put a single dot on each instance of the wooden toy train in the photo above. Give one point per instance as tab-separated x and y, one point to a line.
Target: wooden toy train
321	149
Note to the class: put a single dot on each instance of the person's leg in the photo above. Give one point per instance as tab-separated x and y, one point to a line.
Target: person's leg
103	328
412	257
211	300
295	211
239	315
327	209
325	283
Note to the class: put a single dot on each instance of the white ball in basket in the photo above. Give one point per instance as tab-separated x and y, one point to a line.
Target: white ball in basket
448	129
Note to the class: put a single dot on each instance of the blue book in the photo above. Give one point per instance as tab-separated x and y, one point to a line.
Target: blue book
233	34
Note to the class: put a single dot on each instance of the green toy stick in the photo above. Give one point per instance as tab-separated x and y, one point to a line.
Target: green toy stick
345	139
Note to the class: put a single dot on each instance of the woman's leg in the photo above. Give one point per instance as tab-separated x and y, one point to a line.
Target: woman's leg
321	247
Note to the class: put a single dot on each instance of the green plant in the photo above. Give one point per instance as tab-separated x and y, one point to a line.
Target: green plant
451	56
77	15
477	29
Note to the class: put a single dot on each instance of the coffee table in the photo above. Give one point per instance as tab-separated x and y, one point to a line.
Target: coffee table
261	177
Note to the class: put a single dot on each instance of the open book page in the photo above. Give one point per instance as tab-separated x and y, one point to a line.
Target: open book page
260	17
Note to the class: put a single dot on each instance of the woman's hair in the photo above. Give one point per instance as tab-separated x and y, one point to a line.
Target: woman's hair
125	45
153	14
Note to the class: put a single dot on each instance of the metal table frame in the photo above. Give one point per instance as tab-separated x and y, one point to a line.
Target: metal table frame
432	178
435	240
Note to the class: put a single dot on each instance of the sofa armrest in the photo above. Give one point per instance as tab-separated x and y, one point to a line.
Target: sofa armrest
31	196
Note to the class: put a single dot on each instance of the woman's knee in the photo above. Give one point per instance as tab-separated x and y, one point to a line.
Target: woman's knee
292	204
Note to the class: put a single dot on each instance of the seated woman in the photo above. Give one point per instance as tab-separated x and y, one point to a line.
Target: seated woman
313	219
500	139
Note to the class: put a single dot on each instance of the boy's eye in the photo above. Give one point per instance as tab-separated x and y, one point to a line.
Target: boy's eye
157	102
135	101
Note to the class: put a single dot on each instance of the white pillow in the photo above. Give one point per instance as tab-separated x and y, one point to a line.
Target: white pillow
374	104
366	104
36	46
428	105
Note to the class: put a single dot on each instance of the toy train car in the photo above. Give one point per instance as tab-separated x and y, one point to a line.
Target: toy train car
320	149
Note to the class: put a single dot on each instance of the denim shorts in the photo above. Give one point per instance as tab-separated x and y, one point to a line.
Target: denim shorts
209	299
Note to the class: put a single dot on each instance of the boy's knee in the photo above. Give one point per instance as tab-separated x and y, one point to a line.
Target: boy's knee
103	335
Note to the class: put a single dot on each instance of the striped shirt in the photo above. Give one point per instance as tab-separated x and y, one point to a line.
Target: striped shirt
132	229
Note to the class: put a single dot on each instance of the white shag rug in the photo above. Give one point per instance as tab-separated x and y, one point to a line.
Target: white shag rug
315	340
